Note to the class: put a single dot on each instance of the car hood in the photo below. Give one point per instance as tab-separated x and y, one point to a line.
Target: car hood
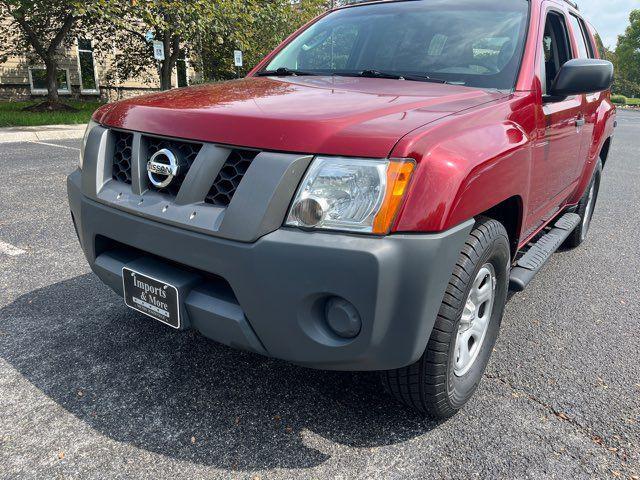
322	115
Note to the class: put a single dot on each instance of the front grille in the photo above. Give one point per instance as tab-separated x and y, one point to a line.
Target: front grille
187	151
229	178
223	187
122	155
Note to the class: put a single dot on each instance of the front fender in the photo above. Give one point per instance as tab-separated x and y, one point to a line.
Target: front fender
468	166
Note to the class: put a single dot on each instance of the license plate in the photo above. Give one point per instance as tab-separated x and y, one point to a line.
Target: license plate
153	297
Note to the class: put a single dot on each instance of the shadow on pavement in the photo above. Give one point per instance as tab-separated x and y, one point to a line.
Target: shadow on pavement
183	396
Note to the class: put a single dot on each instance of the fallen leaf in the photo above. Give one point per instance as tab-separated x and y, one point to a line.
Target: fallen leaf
612	449
615	473
288	430
193	439
563	416
61	455
237	420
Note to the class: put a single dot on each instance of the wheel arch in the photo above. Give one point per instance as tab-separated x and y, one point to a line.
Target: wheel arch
604	151
509	213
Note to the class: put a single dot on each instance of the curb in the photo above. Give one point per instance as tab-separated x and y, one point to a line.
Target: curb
38	134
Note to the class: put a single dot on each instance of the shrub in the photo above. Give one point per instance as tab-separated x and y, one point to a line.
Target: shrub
619	99
626	88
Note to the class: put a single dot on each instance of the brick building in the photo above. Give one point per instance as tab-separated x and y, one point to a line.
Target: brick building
83	73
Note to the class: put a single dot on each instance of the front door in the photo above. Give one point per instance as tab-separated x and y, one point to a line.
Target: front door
560	123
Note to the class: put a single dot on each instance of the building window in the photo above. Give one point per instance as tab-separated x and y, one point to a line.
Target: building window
86	66
181	71
38	81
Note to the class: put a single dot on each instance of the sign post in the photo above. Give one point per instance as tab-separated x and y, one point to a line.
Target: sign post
237	61
158	50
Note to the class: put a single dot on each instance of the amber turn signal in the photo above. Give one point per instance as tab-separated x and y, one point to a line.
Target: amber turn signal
399	176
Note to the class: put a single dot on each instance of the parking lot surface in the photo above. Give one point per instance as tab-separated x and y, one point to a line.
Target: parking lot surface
90	389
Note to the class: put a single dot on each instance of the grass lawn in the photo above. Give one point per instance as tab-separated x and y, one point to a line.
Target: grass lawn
11	114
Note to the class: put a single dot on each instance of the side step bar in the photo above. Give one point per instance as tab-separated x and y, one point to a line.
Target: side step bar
532	262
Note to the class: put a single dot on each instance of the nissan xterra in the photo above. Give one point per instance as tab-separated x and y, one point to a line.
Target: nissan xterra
366	197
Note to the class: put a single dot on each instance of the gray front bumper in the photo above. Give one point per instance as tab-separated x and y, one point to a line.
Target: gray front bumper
275	286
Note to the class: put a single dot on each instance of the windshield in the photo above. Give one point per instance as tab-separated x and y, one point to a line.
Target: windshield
477	43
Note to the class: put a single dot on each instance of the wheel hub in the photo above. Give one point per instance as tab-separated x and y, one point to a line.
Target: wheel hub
475	320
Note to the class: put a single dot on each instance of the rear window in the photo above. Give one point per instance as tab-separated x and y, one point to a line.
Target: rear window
478	43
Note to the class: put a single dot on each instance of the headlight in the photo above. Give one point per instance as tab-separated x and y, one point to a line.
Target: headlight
351	194
90	127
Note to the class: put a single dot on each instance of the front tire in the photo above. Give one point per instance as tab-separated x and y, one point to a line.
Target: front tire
465	331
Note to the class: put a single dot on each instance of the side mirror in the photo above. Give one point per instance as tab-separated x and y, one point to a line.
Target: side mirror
582	75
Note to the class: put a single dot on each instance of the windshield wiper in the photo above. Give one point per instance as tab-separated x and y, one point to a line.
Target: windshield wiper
379	74
391	76
423	78
284	72
288	72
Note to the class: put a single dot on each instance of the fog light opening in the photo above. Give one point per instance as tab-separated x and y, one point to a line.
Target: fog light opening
343	318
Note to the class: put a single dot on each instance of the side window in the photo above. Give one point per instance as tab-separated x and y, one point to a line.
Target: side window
556	49
590	35
579	35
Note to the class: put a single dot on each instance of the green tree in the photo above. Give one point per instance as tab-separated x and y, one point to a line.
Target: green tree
178	24
254	26
627	58
44	28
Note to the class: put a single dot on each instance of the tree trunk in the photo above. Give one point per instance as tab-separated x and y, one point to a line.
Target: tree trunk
52	81
171	52
165	74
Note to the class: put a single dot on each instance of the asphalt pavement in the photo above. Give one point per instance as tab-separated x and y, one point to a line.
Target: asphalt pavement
90	389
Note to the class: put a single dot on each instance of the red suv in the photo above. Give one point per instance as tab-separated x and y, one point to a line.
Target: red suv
366	197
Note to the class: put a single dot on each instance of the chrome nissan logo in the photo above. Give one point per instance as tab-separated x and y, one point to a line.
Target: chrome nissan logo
162	168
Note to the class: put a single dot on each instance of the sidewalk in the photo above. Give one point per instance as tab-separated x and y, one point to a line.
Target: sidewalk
36	134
